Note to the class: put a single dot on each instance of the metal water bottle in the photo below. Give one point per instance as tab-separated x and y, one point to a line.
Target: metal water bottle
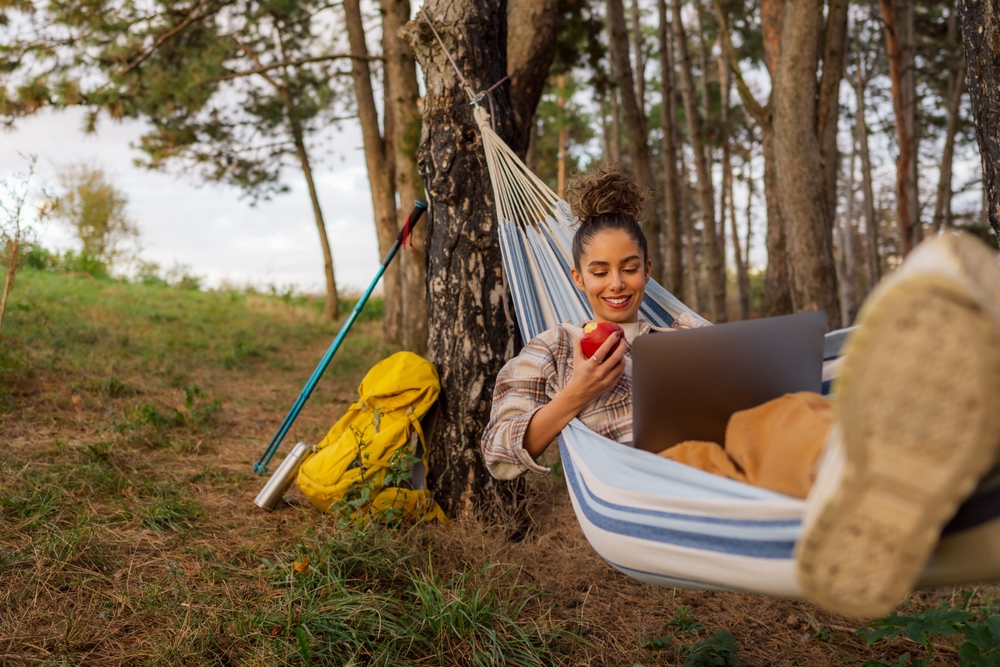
278	484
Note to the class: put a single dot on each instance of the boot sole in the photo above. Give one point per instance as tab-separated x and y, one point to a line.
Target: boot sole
915	402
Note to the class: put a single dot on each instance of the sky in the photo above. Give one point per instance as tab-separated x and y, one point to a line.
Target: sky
207	227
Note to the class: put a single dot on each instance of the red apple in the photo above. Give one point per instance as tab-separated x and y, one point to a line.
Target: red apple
594	335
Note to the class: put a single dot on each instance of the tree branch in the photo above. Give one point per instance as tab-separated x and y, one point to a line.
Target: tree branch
760	113
262	69
190	18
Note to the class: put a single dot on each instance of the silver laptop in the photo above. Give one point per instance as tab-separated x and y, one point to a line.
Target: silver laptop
687	383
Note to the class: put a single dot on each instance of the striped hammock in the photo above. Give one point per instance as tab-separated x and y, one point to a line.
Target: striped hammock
654	519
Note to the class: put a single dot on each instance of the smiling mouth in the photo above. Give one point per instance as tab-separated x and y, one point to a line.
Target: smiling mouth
618	301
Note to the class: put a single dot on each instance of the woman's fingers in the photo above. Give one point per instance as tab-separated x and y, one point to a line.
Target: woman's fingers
605	349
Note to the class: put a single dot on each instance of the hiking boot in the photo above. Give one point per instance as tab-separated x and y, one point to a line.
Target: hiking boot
918	411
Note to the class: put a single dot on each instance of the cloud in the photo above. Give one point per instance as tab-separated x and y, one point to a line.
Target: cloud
207	226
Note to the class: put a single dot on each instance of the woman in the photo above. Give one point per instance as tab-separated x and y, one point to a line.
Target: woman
918	411
551	382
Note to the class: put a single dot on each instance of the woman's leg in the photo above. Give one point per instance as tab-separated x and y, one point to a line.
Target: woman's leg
918	412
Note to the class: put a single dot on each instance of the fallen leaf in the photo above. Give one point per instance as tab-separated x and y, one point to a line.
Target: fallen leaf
76	400
301	566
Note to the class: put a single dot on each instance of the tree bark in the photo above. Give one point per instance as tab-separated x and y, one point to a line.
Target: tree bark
908	44
616	131
777	282
848	275
904	131
828	111
706	202
640	57
561	171
726	198
777	279
797	150
470	338
532	28
401	78
635	129
380	173
674	276
332	307
981	34
747	240
8	283
942	205
871	223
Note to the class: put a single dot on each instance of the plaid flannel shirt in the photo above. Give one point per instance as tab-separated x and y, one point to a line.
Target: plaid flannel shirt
531	379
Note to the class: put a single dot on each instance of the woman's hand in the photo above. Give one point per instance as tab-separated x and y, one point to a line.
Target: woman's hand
594	377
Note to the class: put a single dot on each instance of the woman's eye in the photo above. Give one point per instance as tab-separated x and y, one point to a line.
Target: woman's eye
632	270
598	274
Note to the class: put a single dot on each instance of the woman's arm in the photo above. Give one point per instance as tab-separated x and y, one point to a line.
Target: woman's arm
591	379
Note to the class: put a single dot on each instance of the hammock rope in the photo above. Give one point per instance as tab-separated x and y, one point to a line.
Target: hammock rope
654	519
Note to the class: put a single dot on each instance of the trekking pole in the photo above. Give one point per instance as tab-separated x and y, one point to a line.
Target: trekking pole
261	466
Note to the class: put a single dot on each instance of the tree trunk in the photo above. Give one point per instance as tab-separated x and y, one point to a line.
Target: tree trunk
616	131
904	131
828	110
532	28
706	203
742	277
401	78
981	34
403	94
693	296
704	82
671	178
635	129
561	172
8	283
332	307
871	223
943	203
777	298
380	174
848	300
797	150
640	57
777	279
470	338
908	45
745	276
726	203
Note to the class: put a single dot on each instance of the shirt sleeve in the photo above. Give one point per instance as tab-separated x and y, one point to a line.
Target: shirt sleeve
521	390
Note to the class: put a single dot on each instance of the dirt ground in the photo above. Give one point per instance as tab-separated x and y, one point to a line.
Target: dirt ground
138	603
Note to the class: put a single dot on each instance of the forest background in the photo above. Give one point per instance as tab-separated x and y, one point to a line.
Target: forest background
799	150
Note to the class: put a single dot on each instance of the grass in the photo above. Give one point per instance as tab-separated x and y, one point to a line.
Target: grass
130	416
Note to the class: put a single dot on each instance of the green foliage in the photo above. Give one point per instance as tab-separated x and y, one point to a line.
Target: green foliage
94	209
978	634
719	650
391	608
356	504
684	621
83	262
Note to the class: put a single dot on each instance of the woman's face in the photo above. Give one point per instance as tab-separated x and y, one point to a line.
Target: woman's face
613	275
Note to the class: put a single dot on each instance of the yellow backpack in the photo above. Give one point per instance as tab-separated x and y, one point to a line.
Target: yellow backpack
357	453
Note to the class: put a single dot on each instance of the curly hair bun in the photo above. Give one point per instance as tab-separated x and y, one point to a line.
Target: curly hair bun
606	189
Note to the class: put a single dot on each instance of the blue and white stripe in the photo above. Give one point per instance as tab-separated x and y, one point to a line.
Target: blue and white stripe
654	519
